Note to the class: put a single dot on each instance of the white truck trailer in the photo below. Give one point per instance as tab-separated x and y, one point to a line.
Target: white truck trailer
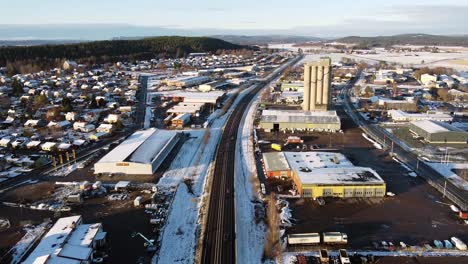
335	238
304	239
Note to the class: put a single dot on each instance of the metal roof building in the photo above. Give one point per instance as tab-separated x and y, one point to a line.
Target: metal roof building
325	174
438	132
274	120
140	154
68	242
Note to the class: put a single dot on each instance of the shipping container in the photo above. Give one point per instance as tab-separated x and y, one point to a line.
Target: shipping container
304	239
294	140
463	215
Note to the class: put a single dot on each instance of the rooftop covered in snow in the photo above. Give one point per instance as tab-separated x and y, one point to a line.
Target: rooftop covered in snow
329	168
141	147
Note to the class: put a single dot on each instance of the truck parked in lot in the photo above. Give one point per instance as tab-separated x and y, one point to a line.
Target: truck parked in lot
324	258
334	238
344	258
304	239
458	243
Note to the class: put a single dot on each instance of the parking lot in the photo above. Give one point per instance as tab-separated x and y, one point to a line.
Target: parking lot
416	214
115	210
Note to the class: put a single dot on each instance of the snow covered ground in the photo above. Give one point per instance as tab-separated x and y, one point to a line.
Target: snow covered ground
446	170
179	239
147	117
444	59
249	236
33	233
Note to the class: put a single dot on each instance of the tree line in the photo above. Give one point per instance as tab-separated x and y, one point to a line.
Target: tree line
33	58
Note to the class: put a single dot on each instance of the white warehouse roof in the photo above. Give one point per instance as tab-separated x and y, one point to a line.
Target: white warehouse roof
141	147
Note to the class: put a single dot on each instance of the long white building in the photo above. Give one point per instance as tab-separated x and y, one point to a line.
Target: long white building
140	154
401	116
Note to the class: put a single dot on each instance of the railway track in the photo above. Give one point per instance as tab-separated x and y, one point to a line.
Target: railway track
219	241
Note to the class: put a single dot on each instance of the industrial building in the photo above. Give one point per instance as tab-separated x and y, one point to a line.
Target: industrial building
401	116
276	165
187	81
317	82
213	97
325	174
140	154
284	120
292	86
68	242
438	132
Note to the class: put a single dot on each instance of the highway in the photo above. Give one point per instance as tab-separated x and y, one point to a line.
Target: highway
412	160
219	238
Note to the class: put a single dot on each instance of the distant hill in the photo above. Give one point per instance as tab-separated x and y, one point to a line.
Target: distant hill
46	56
407	39
264	39
35	42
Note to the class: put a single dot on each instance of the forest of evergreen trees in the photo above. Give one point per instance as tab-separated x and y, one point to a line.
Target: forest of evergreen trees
34	58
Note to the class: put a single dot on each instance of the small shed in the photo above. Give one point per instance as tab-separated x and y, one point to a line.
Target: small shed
138	201
122	185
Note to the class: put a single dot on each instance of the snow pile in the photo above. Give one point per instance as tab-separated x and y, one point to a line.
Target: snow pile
285	214
376	145
65	170
446	170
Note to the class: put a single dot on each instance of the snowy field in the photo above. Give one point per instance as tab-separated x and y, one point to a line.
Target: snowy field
445	59
446	170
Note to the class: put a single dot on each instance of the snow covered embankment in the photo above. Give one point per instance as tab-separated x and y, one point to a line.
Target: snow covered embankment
376	145
250	237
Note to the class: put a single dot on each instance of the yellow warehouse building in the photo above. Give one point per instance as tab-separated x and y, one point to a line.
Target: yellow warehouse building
327	174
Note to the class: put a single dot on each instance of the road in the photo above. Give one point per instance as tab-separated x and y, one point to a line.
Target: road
219	239
412	160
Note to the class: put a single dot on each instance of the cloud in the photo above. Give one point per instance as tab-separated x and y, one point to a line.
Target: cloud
397	20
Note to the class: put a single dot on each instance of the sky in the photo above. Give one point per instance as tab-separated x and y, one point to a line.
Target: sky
326	18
